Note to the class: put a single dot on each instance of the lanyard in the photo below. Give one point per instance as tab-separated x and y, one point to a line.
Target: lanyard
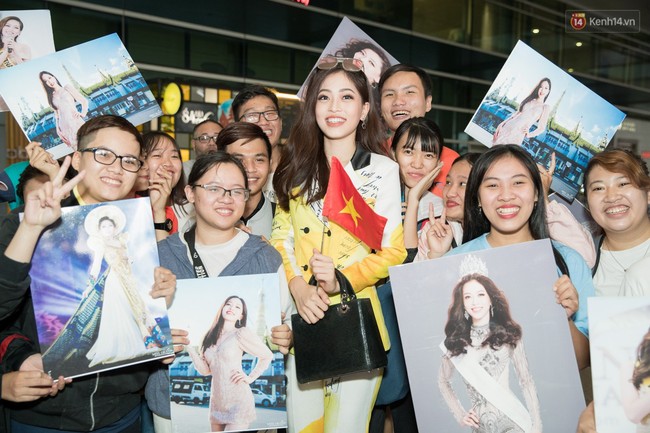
199	269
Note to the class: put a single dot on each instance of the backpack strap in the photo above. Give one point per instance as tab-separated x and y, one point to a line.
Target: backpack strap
600	244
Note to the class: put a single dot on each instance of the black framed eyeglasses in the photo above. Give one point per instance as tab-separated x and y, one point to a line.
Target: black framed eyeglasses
331	62
238	194
254	116
205	138
108	157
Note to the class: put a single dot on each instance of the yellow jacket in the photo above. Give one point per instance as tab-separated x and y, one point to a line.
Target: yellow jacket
296	233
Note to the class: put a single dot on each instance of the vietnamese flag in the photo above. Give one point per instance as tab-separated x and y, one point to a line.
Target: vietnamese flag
344	205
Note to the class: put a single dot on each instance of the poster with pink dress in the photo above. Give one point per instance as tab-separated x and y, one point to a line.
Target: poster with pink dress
52	96
545	110
230	377
91	277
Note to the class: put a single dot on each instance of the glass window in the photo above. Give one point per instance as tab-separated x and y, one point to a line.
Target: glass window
157	44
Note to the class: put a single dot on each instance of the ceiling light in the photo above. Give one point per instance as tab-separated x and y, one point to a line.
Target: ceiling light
578	44
535	31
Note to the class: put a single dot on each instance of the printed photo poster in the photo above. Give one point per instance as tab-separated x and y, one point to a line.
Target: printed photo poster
230	373
52	96
349	41
525	377
91	277
24	35
545	110
619	331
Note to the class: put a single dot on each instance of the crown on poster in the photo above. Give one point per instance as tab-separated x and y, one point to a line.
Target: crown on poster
472	265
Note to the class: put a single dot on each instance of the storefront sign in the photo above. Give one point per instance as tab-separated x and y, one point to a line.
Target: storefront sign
193	113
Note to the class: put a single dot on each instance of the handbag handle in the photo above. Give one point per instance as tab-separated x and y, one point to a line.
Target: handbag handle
347	292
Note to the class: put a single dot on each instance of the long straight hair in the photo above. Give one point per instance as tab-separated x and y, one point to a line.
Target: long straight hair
303	164
213	333
152	140
475	223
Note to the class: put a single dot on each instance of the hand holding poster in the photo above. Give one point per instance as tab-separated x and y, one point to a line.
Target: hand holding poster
546	112
464	331
52	96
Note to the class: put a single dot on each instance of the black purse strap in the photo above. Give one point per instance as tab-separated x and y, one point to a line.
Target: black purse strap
347	292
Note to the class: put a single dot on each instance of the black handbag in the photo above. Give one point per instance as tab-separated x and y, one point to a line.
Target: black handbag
345	341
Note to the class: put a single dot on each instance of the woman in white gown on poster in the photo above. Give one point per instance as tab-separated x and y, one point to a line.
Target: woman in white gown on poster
126	328
482	340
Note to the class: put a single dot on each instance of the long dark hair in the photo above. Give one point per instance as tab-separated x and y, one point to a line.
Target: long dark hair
212	335
503	329
4	22
152	140
303	164
48	90
355	45
533	94
642	365
475	223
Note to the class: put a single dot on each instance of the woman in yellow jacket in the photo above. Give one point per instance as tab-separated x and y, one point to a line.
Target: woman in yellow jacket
337	120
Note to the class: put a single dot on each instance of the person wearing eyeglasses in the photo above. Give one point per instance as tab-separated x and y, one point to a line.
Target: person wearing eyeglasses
248	143
257	104
107	160
215	247
204	140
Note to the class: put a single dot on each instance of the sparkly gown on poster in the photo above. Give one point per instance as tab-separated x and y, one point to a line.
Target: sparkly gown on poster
503	414
232	403
514	129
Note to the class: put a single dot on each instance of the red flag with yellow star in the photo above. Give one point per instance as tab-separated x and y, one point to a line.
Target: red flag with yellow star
344	205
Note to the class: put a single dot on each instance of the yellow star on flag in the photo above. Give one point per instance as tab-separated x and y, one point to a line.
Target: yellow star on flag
350	209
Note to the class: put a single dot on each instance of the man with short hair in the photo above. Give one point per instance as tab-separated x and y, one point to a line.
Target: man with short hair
248	143
406	91
204	140
257	104
108	159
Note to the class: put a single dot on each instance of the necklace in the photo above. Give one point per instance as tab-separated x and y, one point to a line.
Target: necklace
611	253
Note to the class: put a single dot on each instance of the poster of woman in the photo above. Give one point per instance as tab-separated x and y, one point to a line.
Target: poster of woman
546	111
230	377
91	277
350	42
487	348
52	96
619	330
24	35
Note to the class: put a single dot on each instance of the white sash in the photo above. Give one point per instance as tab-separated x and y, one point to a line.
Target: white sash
500	397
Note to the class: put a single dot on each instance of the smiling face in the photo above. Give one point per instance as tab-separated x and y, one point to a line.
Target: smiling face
211	129
215	212
164	157
414	163
233	310
403	97
260	104
507	195
11	30
476	302
256	161
543	90
339	108
372	64
618	206
106	182
49	80
453	193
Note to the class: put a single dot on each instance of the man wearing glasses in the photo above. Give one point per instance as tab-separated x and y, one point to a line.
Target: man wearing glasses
257	104
109	158
204	140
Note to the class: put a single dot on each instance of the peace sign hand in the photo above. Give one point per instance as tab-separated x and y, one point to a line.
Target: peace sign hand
439	234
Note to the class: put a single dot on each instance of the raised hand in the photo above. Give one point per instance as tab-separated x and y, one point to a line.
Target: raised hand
160	188
164	285
566	295
322	267
423	185
547	175
41	159
439	234
311	302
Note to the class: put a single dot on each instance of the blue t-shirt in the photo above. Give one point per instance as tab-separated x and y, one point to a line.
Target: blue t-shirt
579	272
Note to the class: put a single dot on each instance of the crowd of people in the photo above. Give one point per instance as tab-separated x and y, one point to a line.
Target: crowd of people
250	204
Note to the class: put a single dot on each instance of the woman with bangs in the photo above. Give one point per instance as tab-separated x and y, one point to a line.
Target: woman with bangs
337	120
504	206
